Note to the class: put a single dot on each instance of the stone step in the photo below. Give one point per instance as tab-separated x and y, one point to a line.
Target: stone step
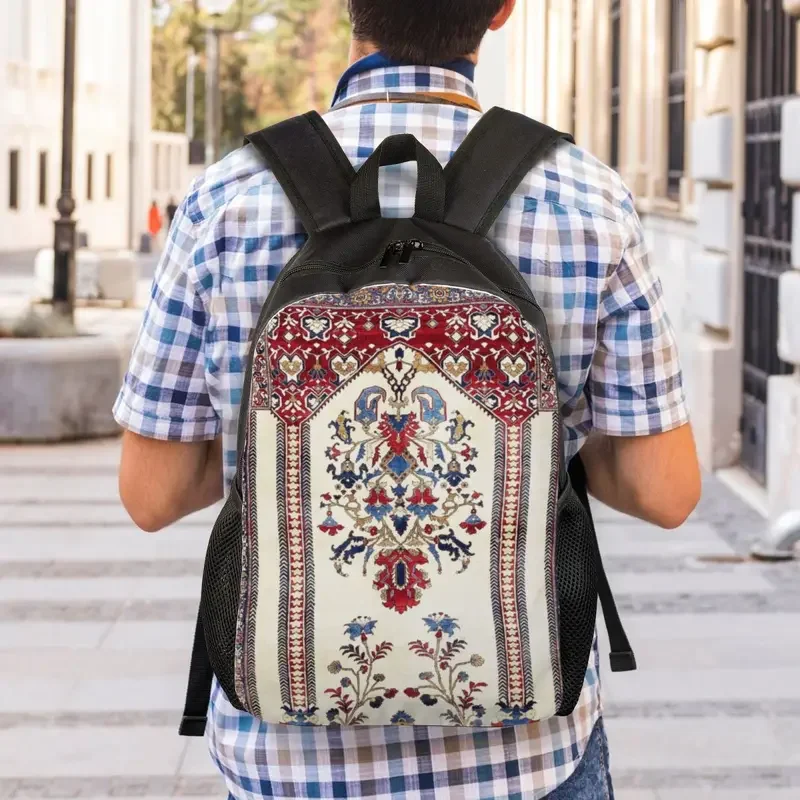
102	543
640	539
665	744
66	516
16	590
701	685
746	579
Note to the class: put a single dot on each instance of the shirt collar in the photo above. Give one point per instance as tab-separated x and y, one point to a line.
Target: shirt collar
376	76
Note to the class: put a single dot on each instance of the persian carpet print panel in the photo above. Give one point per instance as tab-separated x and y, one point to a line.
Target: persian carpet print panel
402	473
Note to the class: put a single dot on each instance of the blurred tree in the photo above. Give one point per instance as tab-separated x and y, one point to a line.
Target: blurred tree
285	60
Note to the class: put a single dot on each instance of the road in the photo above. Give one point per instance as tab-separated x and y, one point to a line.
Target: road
96	622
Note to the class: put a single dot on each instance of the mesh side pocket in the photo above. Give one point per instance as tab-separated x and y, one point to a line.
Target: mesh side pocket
576	587
219	603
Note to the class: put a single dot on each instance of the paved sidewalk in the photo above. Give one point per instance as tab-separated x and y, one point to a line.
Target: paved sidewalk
96	622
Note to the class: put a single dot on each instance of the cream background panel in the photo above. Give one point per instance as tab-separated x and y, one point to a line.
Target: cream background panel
465	597
266	666
535	567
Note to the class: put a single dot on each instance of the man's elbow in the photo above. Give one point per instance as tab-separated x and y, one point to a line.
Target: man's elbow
146	512
673	508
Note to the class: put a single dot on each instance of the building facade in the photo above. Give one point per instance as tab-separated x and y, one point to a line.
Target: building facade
695	103
112	153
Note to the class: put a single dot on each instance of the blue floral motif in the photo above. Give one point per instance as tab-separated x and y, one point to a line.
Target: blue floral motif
400	522
348	477
300	716
517	715
441	623
402	718
360	626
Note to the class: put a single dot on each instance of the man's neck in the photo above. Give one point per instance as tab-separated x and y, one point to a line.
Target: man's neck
359	50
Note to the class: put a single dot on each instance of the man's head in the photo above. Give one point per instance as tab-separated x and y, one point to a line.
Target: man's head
426	31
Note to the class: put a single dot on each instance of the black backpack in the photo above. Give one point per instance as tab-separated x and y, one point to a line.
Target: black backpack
403	542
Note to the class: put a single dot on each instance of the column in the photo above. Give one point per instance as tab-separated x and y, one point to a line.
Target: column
594	78
633	117
716	163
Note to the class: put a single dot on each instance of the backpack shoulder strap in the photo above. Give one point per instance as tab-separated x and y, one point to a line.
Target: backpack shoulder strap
491	163
311	167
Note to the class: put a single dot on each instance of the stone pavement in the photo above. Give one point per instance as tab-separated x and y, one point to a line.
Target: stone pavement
96	622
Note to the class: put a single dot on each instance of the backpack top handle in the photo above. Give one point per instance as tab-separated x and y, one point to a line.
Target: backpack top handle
431	186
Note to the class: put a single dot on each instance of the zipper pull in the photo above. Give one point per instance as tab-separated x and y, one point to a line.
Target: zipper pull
394	249
409	247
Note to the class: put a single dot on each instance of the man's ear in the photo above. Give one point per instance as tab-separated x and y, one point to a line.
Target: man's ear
502	15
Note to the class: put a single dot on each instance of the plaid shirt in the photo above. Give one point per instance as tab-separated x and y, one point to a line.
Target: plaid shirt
572	230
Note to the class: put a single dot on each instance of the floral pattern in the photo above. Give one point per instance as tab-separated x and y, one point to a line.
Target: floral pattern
399	491
402	494
447	681
360	684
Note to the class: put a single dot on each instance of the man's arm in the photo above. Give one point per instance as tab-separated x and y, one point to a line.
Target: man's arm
171	460
161	482
655	478
640	457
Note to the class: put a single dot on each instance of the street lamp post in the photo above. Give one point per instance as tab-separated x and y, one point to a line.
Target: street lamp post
216	10
213	98
65	225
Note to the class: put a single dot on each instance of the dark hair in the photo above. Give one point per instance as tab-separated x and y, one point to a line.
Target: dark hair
423	31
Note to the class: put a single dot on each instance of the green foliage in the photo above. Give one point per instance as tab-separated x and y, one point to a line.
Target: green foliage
286	60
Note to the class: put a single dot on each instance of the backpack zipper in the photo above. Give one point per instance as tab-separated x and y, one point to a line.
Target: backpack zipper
312	266
406	248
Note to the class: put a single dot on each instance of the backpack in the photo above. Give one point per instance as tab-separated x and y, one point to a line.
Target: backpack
403	542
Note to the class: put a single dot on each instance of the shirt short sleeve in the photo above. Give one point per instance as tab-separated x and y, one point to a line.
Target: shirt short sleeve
164	394
635	382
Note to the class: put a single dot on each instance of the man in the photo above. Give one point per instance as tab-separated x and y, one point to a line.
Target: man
172	210
154	222
572	230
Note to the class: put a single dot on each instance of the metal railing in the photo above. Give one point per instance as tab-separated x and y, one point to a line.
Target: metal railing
772	61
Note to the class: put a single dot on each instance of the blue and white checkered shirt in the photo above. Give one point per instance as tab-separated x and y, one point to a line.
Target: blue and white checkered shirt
572	230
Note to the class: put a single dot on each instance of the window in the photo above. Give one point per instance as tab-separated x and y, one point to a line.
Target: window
168	167
109	176
43	178
676	117
13	179
89	176
616	58
156	167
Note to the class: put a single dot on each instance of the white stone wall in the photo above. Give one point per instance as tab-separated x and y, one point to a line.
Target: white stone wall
111	37
169	163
